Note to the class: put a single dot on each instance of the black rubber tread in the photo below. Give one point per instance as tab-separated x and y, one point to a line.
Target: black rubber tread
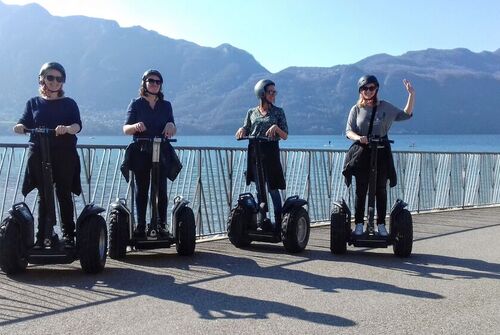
338	232
91	230
236	228
289	230
12	250
186	232
118	234
403	242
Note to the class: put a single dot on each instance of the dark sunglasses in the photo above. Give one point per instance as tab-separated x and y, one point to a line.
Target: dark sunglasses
368	88
153	81
271	92
52	78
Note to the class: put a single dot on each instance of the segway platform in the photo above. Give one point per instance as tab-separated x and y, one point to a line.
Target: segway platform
369	241
57	254
149	242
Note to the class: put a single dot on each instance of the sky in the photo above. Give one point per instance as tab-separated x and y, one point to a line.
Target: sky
323	33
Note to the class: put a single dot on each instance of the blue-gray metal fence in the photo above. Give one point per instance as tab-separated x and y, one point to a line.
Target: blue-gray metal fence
212	179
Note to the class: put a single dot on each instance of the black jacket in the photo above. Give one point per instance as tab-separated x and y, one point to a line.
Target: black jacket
356	160
33	172
273	170
138	157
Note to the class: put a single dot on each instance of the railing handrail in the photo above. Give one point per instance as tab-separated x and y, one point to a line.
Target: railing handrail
212	178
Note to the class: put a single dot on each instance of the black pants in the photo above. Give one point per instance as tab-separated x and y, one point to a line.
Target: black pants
142	181
362	180
64	163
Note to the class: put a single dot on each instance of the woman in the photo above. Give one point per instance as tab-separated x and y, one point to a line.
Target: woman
361	124
149	116
51	109
267	120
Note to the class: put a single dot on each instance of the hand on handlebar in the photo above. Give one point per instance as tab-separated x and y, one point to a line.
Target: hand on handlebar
19	128
139	127
169	130
363	140
272	131
240	133
61	130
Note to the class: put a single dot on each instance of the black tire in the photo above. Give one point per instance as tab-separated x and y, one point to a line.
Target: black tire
295	230
118	234
92	243
403	236
12	249
186	232
338	231
237	224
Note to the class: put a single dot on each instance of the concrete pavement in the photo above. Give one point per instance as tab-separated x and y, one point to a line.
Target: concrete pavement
450	285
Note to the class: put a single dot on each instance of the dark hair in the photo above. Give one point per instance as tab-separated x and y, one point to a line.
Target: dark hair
144	93
42	89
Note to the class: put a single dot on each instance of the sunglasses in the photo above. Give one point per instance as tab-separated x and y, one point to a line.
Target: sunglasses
153	81
368	88
271	92
52	78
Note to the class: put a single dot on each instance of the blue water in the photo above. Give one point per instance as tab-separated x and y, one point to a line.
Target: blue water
431	143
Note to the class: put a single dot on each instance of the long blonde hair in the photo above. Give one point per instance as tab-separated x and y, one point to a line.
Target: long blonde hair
44	92
363	103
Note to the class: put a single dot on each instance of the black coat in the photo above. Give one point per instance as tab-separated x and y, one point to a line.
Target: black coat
273	170
138	158
33	172
357	159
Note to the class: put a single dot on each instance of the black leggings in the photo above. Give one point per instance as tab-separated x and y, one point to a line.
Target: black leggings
142	181
362	179
64	163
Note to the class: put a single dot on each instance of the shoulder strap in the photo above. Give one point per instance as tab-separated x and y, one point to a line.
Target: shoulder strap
370	127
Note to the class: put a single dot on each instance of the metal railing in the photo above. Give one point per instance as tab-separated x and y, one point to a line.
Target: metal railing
212	179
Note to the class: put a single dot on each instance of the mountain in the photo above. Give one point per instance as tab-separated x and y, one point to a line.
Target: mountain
212	88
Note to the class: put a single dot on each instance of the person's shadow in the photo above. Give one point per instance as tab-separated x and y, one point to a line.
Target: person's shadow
128	283
422	265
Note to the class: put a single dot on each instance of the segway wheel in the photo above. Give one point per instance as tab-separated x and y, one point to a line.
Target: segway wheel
118	234
296	227
403	236
186	232
236	227
338	231
12	249
92	244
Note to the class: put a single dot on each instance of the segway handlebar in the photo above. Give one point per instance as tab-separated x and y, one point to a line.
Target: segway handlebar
379	140
153	139
259	138
39	131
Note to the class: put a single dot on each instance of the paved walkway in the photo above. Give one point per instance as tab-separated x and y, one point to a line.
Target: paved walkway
450	285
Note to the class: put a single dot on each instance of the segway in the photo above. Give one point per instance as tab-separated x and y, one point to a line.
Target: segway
400	228
17	247
122	221
245	225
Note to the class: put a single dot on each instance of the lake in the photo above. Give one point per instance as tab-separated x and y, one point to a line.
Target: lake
429	143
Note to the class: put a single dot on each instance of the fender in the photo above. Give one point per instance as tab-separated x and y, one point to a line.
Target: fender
247	201
119	205
87	211
343	206
20	214
179	204
398	206
293	201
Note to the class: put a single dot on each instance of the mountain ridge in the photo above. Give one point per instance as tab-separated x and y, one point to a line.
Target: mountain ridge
212	88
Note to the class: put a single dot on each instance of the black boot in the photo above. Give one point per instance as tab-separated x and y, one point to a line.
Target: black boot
69	240
140	230
162	230
68	230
